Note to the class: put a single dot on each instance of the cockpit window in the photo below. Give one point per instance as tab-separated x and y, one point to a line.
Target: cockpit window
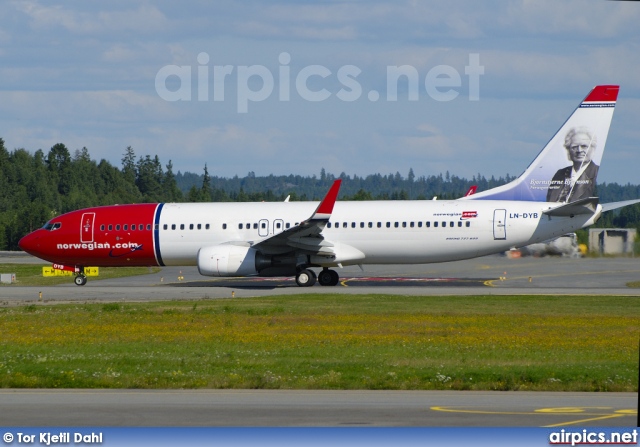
51	226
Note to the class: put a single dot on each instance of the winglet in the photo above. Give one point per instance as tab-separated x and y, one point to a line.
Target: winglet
471	191
324	210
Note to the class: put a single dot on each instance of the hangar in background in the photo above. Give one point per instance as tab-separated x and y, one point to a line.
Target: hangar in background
612	241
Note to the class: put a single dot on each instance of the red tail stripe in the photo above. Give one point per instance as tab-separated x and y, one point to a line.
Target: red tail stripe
603	93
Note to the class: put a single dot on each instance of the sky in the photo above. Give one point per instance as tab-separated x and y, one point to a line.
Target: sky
291	87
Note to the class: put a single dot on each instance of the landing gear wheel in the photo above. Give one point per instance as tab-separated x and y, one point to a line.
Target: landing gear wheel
80	280
328	277
306	278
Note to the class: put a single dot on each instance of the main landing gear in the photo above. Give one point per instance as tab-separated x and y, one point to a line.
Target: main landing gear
307	278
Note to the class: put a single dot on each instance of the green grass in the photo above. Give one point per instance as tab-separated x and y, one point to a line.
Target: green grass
328	342
31	274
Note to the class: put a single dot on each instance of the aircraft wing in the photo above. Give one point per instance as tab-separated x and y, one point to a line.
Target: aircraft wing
307	234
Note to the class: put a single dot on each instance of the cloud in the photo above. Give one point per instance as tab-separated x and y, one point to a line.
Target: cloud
144	19
83	73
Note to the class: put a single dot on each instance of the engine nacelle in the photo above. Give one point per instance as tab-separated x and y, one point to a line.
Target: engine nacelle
227	260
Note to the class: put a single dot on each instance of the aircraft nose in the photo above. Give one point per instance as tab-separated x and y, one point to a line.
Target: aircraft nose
29	243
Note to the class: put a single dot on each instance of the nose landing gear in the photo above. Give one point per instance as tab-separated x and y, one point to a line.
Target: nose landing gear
80	279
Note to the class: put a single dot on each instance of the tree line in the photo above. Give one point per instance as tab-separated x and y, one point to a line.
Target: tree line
35	187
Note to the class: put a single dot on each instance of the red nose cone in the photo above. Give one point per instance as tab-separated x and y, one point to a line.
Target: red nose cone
29	243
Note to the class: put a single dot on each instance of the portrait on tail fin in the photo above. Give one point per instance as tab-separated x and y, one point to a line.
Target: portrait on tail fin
581	139
578	180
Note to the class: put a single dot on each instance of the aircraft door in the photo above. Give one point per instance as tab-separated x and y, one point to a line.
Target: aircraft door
500	224
86	227
278	226
263	228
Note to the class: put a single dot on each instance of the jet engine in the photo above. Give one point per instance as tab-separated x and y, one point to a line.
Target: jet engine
227	260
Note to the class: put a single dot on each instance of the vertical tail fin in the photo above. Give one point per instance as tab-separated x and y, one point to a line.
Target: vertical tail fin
566	169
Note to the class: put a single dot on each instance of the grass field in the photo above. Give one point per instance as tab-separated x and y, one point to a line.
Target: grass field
574	343
31	274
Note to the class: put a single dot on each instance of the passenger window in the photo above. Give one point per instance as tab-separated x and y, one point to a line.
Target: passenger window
141	227
428	224
388	224
344	225
101	227
460	223
411	224
173	226
444	224
435	224
199	226
370	224
206	227
468	224
125	227
263	225
379	224
420	224
451	224
278	225
148	227
361	224
191	226
110	227
165	226
117	227
396	224
182	226
240	226
328	225
353	224
224	226
248	226
287	225
133	227
255	226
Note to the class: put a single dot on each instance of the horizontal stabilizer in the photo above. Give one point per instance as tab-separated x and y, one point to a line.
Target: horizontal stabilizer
582	206
615	205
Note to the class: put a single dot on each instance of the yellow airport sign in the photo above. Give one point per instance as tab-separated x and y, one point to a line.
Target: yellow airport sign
50	271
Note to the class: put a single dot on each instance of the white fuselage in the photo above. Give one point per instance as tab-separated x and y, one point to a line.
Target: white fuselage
385	232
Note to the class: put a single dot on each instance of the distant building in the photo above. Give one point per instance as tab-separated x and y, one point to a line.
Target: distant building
612	241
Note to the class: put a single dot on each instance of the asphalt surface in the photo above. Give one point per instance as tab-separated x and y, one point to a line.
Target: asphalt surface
293	408
494	275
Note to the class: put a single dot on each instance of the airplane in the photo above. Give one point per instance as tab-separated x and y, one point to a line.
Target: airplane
293	238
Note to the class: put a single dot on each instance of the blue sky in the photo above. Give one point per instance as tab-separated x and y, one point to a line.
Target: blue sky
85	74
